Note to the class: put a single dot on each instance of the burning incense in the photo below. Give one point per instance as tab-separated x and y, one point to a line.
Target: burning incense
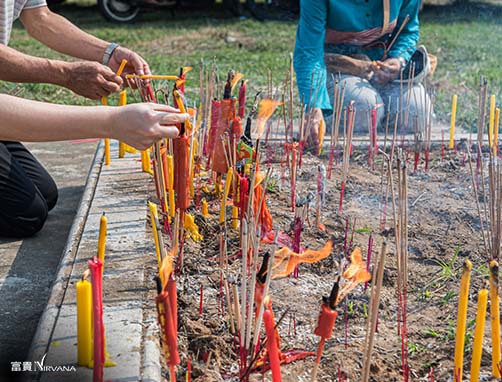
461	320
477	346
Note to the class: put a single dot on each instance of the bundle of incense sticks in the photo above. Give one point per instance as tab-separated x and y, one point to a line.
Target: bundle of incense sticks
371	323
338	99
400	214
347	150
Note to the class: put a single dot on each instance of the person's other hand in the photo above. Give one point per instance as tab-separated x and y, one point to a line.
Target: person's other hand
386	71
135	63
141	124
313	122
91	79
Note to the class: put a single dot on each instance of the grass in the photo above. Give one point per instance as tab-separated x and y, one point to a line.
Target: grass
464	38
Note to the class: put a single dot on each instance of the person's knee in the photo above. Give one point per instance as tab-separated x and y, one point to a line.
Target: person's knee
27	221
51	195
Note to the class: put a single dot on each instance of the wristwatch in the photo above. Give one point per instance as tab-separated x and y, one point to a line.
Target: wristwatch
108	52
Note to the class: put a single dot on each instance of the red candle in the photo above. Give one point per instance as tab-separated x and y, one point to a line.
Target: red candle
96	266
273	350
325	322
242	99
181	189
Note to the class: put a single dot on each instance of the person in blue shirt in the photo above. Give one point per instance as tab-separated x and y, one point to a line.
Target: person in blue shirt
362	45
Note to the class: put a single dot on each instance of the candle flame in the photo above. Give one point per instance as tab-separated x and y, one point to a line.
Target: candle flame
237	77
85	275
356	273
287	260
266	109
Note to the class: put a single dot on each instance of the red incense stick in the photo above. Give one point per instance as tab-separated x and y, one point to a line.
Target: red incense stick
96	267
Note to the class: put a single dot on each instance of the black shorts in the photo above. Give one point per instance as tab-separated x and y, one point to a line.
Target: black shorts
27	191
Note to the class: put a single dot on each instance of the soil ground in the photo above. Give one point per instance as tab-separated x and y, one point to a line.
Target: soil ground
444	230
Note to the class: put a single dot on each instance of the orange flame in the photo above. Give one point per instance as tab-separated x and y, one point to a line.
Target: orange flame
166	268
85	275
287	260
356	273
266	109
237	77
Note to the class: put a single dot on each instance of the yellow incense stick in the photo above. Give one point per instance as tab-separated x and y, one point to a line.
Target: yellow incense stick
151	77
153	217
495	317
461	320
452	122
122	102
477	346
103	223
228	182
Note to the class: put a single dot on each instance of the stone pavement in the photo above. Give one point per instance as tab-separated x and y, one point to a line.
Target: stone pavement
28	267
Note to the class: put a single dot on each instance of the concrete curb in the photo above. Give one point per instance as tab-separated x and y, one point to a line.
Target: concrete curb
43	334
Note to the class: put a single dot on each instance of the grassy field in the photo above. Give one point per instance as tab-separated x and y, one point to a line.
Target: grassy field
465	39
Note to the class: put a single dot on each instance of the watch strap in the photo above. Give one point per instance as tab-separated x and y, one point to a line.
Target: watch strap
108	52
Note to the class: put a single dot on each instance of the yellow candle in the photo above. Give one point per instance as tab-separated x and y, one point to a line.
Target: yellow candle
235	217
461	320
496	132
321	135
477	346
452	123
492	120
145	162
122	102
495	317
84	320
102	238
205	210
153	218
228	182
170	174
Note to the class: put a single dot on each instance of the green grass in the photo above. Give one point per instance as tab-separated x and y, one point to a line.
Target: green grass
466	40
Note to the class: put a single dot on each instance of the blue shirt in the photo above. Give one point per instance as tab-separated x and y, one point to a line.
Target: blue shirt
347	27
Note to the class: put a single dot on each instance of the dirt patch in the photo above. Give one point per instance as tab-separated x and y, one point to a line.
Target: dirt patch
443	231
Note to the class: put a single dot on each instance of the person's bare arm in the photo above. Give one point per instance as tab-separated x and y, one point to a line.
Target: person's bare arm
90	79
61	35
139	125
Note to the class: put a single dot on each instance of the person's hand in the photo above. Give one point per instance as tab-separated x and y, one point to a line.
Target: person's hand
141	124
91	79
135	63
313	121
386	71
